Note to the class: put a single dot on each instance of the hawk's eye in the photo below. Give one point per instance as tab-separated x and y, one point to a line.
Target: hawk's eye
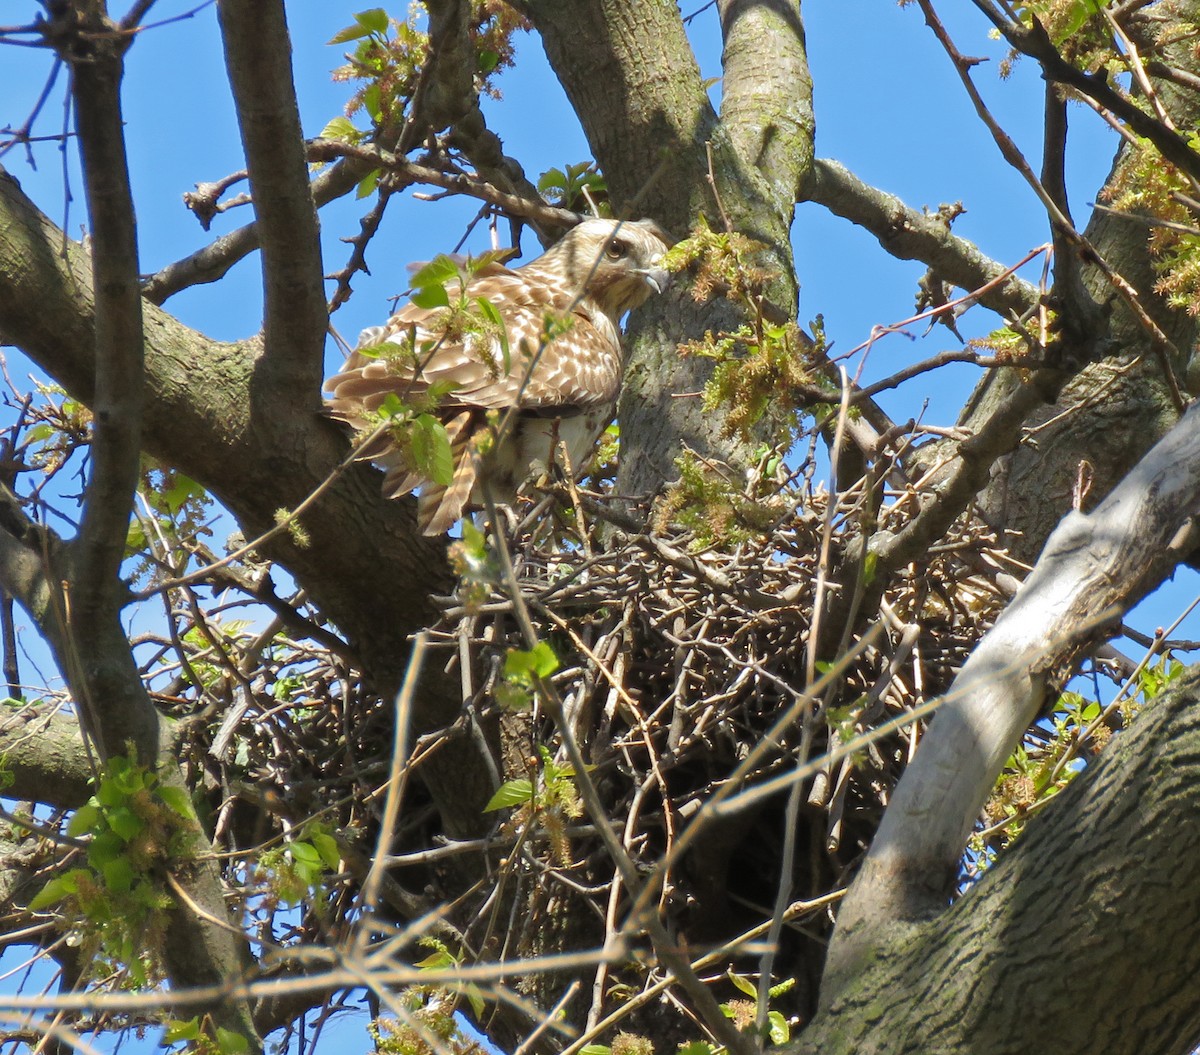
615	251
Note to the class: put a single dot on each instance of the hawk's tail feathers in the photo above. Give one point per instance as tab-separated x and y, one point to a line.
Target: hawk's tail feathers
440	505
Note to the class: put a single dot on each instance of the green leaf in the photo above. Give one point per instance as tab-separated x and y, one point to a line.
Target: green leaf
869	565
512	697
56	890
490	312
326	845
87	819
595	1049
510	793
182	488
109	793
777	1028
488	61
439	390
440	270
374	351
177	799
551	180
372	101
695	1047
744	984
368	184
540	661
304	853
432	456
118	874
231	1043
1079	13
341	129
431	297
135	537
177	1031
435	961
475	998
342	36
105	847
125	822
373	21
392	406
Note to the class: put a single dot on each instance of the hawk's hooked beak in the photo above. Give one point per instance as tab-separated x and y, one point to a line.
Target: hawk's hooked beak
656	278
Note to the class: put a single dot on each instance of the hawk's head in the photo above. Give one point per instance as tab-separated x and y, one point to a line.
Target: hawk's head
617	264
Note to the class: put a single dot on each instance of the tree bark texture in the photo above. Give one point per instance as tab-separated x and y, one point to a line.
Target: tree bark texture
1082	939
1095	567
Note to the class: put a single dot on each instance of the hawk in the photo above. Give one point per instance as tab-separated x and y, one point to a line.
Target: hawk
553	374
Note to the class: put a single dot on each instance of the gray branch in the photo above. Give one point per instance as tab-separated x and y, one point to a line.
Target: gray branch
766	98
44	757
258	57
97	660
1091	890
908	234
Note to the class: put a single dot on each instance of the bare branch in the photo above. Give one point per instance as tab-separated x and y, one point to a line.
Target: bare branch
258	57
911	235
405	173
99	665
213	261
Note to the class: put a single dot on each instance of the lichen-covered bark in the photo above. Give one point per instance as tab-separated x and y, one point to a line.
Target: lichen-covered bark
1082	939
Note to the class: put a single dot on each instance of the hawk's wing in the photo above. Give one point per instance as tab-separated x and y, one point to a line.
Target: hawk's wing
557	366
579	366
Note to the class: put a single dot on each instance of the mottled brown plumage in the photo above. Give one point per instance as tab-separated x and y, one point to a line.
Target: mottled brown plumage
563	389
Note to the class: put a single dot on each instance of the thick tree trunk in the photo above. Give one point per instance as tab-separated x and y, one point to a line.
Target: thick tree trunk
1082	939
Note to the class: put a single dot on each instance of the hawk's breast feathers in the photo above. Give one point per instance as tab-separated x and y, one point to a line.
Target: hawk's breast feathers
558	363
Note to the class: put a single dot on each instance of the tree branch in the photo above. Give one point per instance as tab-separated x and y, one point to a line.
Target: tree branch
98	662
258	57
907	234
766	98
1034	41
213	262
406	173
44	757
94	651
1094	568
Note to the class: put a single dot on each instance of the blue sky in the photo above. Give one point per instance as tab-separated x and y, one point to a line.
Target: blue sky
888	104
